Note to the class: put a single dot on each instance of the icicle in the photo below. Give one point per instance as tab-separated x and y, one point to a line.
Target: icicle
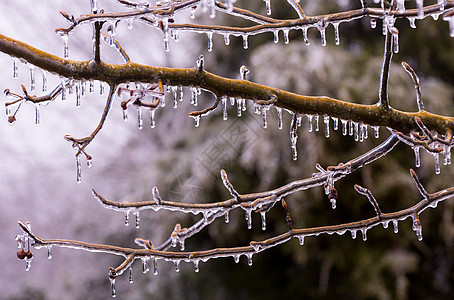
177	265
126	217
293	140
145	267
301	239
78	169
336	33
49	252
125	115
197	121
180	93
309	125
226	217
101	88
165	31
245	42
417	228
268	7
450	19
353	233
298	120
419	5
344	127
356	131
194	95
248	218
364	233
446	155
442	4
236	258
322	35
65	46
400	5
417	157
376	131
279	117
326	121
286	40
152	118
63	88
83	84
212	6
335	123
373	23
91	86
175	98
15	67
210	41
276	36
139	117
316	118
437	163
137	218
130	23
131	278
78	93
365	133
32	77
249	259
412	20
155	266
196	266
306	40
239	108
395	32
37	119
396	226
226	39
350	128
112	285
264	123
385	224
262	214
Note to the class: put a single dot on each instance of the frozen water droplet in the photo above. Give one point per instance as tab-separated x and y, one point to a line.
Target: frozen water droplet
196	266
262	214
239	107
268	7
279	117
376	131
210	41
400	5
298	120
385	224
437	163
326	121
336	33
15	67
130	23
131	278
197	121
226	216
139	117
286	40
396	226
417	157
194	96
276	36
193	8
419	5
353	231
447	155
316	118
224	108
78	169
245	42
49	252
442	4
177	266
126	217
306	40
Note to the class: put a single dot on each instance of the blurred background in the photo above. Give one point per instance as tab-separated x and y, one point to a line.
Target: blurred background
38	167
